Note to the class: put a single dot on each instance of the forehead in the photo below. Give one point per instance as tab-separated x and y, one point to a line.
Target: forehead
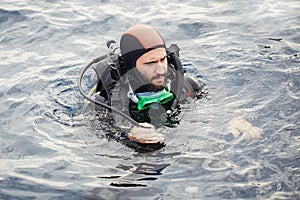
154	54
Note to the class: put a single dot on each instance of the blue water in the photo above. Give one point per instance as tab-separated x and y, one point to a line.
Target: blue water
247	53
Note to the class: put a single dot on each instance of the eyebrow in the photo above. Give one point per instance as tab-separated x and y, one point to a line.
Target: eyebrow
153	60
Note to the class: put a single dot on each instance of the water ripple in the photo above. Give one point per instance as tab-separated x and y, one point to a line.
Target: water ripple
246	53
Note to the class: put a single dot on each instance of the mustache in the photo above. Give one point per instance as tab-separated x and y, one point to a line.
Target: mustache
158	76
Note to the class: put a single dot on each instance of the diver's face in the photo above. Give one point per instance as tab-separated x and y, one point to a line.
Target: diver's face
153	66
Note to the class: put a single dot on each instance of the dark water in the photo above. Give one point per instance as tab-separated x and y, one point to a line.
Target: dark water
246	51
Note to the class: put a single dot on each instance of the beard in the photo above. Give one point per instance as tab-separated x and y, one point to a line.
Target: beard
139	81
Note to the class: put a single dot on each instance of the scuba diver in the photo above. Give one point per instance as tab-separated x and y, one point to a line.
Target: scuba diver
143	81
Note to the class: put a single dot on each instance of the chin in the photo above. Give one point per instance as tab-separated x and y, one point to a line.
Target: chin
159	85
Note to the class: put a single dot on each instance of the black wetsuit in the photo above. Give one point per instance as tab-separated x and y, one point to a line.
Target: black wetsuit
112	88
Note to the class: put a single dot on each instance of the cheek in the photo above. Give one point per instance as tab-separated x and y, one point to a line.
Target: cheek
165	63
166	67
145	71
148	73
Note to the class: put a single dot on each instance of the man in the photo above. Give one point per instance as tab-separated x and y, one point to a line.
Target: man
145	81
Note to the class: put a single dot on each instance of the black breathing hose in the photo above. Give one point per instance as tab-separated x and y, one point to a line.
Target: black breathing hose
98	102
114	48
174	57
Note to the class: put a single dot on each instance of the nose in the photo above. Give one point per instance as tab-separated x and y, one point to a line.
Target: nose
160	68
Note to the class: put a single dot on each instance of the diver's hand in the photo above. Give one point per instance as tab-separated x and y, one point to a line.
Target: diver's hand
145	134
238	126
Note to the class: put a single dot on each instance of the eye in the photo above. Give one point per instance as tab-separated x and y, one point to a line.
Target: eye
163	59
151	62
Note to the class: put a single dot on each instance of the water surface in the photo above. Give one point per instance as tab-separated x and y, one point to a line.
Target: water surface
247	52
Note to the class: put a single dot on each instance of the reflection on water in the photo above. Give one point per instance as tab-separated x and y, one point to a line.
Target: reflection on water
247	54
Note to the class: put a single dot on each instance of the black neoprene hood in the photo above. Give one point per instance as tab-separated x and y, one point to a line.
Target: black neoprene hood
138	40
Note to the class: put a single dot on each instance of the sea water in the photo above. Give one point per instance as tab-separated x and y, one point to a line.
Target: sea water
246	52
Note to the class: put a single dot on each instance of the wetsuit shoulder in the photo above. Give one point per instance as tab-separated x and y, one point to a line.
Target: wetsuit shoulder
191	88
